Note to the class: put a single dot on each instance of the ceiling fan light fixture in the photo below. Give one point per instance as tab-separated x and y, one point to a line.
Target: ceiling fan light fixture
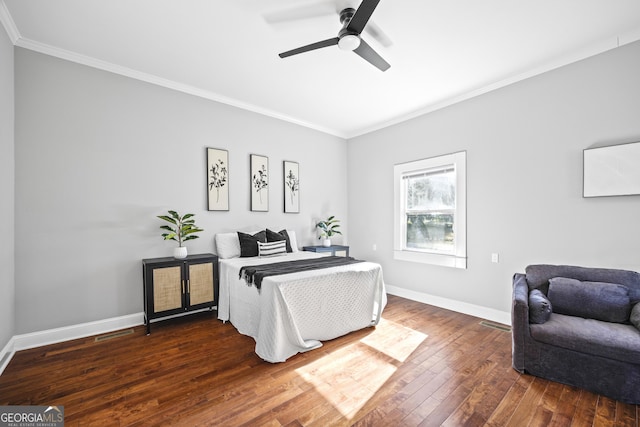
353	23
349	42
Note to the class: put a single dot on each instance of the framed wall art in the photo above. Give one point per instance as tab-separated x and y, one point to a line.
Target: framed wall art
217	179
291	174
611	170
259	183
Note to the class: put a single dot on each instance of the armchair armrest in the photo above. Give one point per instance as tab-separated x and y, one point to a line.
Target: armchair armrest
519	320
520	291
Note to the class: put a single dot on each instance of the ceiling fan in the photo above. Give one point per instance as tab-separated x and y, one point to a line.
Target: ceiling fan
353	23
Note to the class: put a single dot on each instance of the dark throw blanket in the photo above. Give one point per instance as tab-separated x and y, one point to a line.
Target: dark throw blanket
254	274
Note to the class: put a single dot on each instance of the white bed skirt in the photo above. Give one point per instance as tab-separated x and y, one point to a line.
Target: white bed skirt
293	313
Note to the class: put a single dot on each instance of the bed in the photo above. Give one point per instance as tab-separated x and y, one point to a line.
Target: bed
294	313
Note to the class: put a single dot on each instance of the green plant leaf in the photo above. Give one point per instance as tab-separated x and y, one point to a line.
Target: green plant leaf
184	227
168	219
191	231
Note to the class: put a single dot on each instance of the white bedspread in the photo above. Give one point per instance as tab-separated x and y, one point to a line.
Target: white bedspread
292	313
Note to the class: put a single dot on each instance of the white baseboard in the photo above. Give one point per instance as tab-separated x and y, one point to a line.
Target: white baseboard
67	333
6	354
450	304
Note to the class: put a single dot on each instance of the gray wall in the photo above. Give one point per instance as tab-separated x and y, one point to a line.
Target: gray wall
524	148
98	156
7	250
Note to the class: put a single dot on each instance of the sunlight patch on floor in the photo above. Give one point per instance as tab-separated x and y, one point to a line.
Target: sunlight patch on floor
396	341
351	375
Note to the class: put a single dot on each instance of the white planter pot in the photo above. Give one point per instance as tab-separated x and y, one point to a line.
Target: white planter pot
180	252
326	242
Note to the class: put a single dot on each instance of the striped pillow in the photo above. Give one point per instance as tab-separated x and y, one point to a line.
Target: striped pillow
272	248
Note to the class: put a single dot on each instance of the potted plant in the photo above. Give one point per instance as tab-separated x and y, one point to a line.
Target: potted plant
182	228
328	228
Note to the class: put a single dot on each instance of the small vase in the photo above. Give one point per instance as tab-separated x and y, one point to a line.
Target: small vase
326	242
180	252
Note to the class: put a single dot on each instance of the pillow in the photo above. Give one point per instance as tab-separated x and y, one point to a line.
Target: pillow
272	248
227	245
592	300
539	307
249	243
282	235
292	240
635	316
538	276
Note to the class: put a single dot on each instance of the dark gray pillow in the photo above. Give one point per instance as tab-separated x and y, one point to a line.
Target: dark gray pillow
538	276
249	243
592	300
539	307
272	236
634	318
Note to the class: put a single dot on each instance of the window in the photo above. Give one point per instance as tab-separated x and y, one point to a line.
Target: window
430	211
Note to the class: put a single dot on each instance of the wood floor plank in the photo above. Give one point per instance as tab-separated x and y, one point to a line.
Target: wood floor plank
605	412
421	366
566	407
585	410
625	415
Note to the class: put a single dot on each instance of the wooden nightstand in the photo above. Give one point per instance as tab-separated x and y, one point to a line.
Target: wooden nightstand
174	286
333	249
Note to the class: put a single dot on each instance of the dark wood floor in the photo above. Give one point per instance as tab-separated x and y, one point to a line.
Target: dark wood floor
421	366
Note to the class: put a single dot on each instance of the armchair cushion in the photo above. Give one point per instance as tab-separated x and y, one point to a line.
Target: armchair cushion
591	300
539	307
635	316
611	340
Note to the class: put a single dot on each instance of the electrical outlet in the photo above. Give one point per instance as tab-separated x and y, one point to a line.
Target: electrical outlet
495	258
374	247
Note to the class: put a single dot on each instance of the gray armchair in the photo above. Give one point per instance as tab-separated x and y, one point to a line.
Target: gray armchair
588	339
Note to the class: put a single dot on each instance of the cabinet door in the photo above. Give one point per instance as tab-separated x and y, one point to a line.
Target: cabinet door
167	288
200	283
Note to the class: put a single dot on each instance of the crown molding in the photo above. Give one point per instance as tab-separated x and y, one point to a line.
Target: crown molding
8	24
17	40
160	81
567	59
575	56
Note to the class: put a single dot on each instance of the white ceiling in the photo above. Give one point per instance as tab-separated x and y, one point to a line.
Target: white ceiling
441	52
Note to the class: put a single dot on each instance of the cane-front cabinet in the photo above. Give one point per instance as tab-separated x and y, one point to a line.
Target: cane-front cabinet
174	286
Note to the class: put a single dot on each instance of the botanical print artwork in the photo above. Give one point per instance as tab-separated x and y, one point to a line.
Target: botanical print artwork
291	187
217	179
259	183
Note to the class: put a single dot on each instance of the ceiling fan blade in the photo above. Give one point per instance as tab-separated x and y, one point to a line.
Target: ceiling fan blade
362	15
376	32
308	11
366	52
312	46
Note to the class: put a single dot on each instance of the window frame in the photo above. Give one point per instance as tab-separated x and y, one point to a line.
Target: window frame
457	257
